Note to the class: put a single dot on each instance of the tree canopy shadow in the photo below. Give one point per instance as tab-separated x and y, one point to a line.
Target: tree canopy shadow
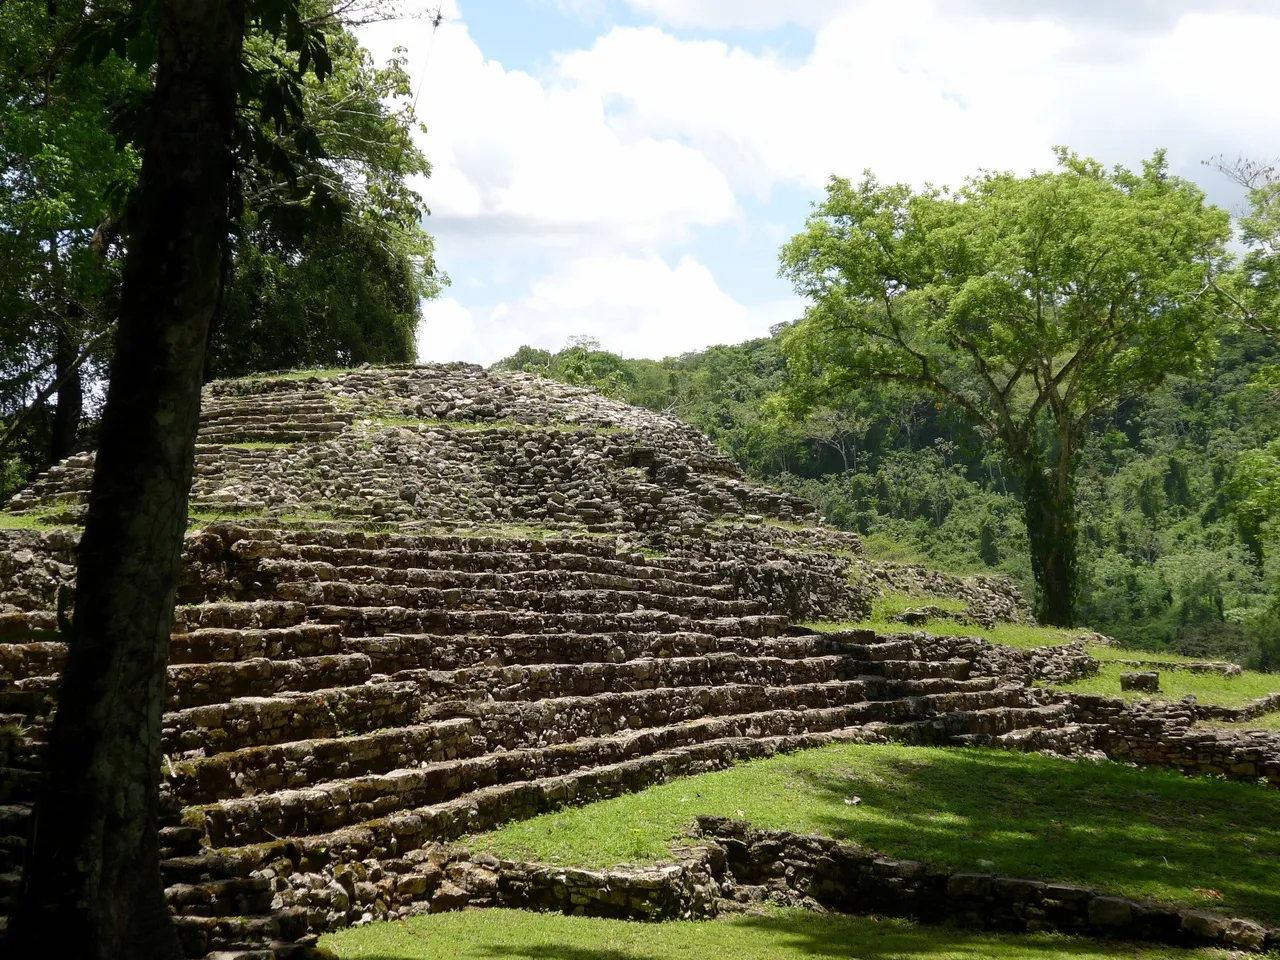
1147	832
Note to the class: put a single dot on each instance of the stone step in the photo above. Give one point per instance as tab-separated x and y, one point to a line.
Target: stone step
250	771
203	684
227	644
530	683
509	726
238	615
365	621
394	651
201	936
221	898
373	595
325	807
296	416
355	548
482	809
194	685
982	725
316	560
620	577
254	721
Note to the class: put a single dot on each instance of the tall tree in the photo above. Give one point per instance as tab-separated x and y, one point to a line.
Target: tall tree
1029	303
91	883
57	267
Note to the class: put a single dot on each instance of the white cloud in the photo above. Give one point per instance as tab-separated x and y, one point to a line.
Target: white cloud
446	331
741	14
1136	16
584	187
518	157
639	306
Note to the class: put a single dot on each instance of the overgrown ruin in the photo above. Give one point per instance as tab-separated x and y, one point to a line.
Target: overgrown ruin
422	601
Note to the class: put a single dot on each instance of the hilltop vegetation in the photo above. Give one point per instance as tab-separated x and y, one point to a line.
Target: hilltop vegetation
1169	559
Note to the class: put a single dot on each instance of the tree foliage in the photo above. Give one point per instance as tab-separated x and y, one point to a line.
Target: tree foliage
328	256
1028	303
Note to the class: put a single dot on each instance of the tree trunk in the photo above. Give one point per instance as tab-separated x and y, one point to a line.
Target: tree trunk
66	415
92	886
1049	512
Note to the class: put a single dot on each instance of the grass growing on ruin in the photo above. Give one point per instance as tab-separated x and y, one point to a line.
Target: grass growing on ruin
31	520
1119	653
204	517
1010	634
894	602
772	935
1176	684
1135	832
324	373
1268	721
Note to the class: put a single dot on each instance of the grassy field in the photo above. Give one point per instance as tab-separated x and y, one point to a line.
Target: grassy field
775	935
1176	684
1143	833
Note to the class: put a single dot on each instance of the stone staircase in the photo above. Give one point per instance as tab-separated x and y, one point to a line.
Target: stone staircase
340	700
435	599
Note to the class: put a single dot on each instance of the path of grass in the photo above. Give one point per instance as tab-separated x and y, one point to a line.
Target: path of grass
1176	684
1134	832
1010	634
776	935
32	520
1268	721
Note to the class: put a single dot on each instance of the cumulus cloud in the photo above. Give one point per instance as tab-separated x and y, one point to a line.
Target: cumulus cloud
517	157
1136	16
919	94
585	189
636	305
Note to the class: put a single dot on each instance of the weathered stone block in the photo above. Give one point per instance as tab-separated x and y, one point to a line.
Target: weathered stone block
1147	681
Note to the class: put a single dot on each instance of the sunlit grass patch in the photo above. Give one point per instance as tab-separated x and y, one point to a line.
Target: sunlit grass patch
770	935
1176	684
1267	721
38	519
1134	832
1010	634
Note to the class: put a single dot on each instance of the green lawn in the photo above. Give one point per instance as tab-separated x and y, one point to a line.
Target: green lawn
1134	832
775	935
1176	684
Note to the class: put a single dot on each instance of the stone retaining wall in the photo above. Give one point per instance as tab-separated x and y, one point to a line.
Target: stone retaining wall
736	865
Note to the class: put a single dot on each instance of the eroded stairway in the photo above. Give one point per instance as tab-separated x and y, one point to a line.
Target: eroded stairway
341	700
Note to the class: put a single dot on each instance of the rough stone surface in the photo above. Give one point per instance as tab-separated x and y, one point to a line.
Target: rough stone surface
1148	681
445	599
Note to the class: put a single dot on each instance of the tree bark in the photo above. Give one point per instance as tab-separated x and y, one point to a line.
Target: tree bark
91	885
1049	512
70	407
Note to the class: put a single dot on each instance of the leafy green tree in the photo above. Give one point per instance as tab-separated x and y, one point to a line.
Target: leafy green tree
57	252
328	261
1030	303
91	884
339	282
1252	289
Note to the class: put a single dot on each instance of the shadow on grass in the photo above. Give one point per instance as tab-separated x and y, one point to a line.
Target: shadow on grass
1153	833
793	934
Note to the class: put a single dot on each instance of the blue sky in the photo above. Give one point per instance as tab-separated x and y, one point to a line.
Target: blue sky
627	169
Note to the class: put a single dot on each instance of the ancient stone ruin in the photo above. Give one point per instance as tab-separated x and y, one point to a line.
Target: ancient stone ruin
420	602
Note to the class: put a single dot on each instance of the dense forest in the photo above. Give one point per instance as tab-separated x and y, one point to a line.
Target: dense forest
1174	557
329	259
